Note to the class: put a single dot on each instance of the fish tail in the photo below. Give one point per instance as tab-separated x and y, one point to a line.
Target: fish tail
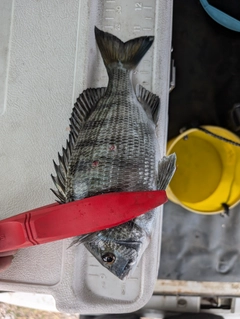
127	53
166	170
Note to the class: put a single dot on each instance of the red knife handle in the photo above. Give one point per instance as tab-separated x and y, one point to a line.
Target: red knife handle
54	222
17	232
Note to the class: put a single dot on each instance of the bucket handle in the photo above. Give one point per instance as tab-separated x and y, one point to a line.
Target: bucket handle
224	205
218	136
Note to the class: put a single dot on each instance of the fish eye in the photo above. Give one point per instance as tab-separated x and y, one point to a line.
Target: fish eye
108	258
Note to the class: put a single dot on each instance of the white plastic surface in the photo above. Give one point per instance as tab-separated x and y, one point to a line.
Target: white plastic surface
6	10
54	58
29	300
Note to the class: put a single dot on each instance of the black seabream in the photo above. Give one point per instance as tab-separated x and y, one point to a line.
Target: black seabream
113	147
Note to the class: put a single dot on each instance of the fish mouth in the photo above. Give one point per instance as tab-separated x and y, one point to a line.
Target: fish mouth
132	263
130	266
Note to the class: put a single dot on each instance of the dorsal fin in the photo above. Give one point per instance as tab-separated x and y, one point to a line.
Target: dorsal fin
149	101
84	106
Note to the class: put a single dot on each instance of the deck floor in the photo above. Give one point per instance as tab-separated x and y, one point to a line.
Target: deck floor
207	59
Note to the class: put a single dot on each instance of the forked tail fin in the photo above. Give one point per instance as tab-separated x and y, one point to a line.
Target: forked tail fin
129	53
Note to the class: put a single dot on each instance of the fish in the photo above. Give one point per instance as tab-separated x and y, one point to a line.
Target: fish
113	147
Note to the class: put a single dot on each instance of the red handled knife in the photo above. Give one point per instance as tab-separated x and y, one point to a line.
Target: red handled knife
59	221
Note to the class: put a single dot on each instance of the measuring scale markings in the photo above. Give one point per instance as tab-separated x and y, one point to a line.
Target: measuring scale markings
139	6
93	265
123	290
132	12
127	19
114	12
105	284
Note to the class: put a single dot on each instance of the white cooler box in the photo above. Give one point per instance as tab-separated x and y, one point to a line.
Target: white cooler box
48	56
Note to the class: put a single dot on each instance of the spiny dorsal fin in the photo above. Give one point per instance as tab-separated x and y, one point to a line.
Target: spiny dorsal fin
149	101
84	106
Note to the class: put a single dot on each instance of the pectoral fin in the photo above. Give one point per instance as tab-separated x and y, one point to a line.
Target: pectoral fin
166	170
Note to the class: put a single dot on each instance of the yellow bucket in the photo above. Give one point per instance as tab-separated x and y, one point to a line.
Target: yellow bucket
208	171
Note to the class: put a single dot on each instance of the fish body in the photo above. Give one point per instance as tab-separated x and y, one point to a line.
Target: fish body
113	147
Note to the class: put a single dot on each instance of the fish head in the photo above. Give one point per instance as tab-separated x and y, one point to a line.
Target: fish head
119	249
